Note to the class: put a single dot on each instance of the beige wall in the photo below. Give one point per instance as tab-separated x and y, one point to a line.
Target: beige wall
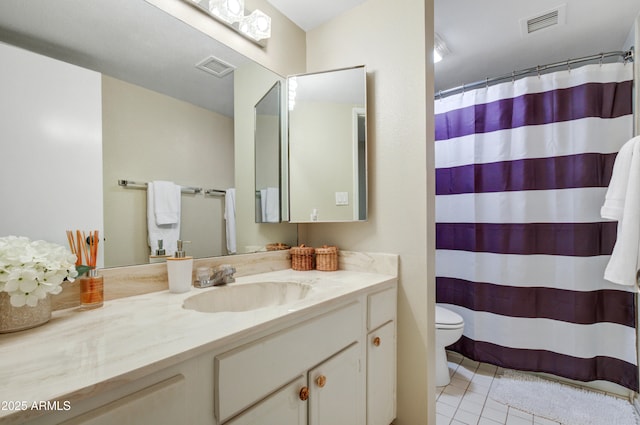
313	145
389	37
150	136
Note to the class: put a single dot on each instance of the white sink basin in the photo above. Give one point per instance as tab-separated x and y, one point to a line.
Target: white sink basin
247	296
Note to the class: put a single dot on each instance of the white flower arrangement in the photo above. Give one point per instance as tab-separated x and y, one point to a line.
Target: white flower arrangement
29	270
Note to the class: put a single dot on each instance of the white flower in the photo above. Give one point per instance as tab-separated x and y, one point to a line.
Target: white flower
29	270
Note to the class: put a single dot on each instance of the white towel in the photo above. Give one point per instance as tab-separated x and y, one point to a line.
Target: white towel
622	203
270	205
230	217
168	233
166	202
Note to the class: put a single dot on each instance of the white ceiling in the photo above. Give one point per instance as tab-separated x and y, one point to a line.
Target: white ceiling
485	38
134	41
308	14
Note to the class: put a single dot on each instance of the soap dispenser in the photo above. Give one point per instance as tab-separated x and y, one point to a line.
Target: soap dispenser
160	255
180	270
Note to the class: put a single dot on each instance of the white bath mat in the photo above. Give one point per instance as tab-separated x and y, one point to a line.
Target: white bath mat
562	403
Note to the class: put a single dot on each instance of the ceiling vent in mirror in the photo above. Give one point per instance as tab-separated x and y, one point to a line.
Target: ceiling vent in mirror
215	66
543	20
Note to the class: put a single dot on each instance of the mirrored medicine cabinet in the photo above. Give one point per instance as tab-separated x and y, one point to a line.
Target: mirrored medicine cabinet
324	175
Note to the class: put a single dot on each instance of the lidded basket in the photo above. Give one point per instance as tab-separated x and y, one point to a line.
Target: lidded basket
327	258
302	257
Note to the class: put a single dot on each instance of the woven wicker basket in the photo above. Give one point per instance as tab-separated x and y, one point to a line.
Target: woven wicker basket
277	246
327	258
302	257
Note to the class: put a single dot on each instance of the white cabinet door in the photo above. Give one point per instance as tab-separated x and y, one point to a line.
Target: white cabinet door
381	375
161	403
336	395
284	407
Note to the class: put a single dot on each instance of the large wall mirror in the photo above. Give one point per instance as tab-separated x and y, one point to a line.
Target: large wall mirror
327	146
171	108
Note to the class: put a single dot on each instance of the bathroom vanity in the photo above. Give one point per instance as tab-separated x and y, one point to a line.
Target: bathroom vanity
324	356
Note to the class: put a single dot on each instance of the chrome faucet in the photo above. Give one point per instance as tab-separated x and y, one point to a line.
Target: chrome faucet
222	275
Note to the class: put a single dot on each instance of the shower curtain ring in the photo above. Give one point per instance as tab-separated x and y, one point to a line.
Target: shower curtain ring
513	76
538	70
569	65
486	83
601	58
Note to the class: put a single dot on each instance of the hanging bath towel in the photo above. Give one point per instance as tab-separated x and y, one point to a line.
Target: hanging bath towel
622	203
230	217
270	203
169	233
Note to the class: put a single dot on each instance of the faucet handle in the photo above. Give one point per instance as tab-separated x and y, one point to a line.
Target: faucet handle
225	273
226	269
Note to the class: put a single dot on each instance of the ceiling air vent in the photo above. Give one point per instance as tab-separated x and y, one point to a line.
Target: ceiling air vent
215	66
544	20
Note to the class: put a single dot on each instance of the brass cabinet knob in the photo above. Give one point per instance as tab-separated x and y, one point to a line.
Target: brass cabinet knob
321	381
376	341
304	393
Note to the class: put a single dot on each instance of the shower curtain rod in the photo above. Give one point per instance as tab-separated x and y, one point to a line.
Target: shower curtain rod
627	56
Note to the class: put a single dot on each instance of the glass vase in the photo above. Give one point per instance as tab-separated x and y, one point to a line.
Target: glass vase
91	290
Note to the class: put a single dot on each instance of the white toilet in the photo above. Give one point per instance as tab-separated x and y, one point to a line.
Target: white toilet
449	326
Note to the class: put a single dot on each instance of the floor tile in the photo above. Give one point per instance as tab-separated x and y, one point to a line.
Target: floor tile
445	409
471	406
466	417
499	416
442	420
517	420
486	421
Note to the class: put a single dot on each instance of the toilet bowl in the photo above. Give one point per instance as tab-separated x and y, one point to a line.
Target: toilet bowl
449	327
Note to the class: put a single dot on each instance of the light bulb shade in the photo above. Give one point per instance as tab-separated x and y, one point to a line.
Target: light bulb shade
292	84
440	49
436	56
229	11
257	25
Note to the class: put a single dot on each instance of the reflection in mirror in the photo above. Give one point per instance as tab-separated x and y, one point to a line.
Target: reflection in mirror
267	156
327	146
160	117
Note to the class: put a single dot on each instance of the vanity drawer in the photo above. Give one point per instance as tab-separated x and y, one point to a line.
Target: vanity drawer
251	372
382	308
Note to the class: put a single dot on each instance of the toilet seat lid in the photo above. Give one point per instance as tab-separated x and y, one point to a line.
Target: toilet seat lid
447	317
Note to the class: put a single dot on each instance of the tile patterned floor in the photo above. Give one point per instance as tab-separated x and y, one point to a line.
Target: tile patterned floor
465	400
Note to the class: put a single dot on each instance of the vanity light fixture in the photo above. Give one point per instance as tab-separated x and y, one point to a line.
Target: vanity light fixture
255	26
229	11
440	49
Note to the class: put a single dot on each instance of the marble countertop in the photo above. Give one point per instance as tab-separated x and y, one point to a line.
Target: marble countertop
78	353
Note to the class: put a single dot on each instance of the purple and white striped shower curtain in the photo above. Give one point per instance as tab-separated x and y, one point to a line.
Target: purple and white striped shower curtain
522	169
